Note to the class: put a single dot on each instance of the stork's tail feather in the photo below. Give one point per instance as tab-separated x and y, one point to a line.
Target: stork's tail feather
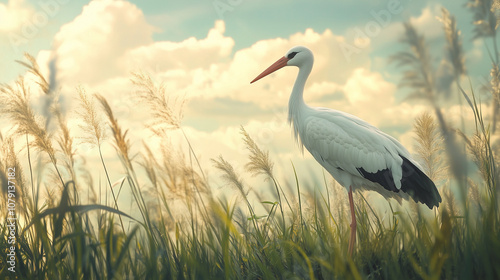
418	185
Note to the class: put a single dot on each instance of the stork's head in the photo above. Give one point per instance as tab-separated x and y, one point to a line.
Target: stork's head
296	56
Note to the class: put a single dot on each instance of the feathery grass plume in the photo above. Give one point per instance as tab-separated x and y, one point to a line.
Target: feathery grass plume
94	133
194	178
122	144
478	147
50	104
484	155
449	199
35	70
230	175
22	116
454	46
260	164
92	126
259	160
65	142
9	163
420	75
13	161
164	110
495	92
495	8
167	113
485	20
429	145
474	194
169	171
179	178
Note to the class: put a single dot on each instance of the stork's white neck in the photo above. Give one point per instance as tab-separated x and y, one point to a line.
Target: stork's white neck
296	104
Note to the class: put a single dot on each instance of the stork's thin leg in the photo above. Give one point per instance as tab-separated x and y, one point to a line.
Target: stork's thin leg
352	240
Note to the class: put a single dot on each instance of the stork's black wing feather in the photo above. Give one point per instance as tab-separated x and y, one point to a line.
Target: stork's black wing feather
418	185
414	182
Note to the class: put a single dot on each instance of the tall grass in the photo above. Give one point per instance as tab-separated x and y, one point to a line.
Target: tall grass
66	231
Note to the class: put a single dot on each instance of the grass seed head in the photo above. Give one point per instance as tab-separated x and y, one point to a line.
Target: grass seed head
454	46
259	160
122	144
229	175
429	145
93	127
166	112
24	119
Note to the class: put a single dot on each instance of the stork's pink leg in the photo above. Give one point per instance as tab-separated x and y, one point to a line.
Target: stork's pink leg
352	241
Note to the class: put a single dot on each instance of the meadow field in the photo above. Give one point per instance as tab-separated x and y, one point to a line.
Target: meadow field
58	225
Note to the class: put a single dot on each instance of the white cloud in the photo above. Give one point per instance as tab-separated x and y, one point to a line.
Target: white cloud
365	88
426	23
90	48
14	14
190	54
109	39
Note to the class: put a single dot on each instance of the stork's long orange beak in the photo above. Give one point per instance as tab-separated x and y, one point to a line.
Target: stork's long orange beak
275	66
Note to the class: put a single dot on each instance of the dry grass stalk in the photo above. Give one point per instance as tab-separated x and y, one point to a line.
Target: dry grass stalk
485	20
65	142
181	180
92	126
259	160
167	115
35	70
163	109
50	105
495	92
22	116
454	46
122	144
230	175
420	75
429	145
478	146
474	195
8	159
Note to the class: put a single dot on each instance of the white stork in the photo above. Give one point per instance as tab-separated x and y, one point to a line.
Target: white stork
357	154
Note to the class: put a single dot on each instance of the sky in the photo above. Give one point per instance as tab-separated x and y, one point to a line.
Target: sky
207	52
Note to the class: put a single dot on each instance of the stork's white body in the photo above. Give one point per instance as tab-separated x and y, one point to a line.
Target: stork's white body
342	143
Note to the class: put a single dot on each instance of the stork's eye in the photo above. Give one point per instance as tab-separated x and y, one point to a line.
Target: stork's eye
291	55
